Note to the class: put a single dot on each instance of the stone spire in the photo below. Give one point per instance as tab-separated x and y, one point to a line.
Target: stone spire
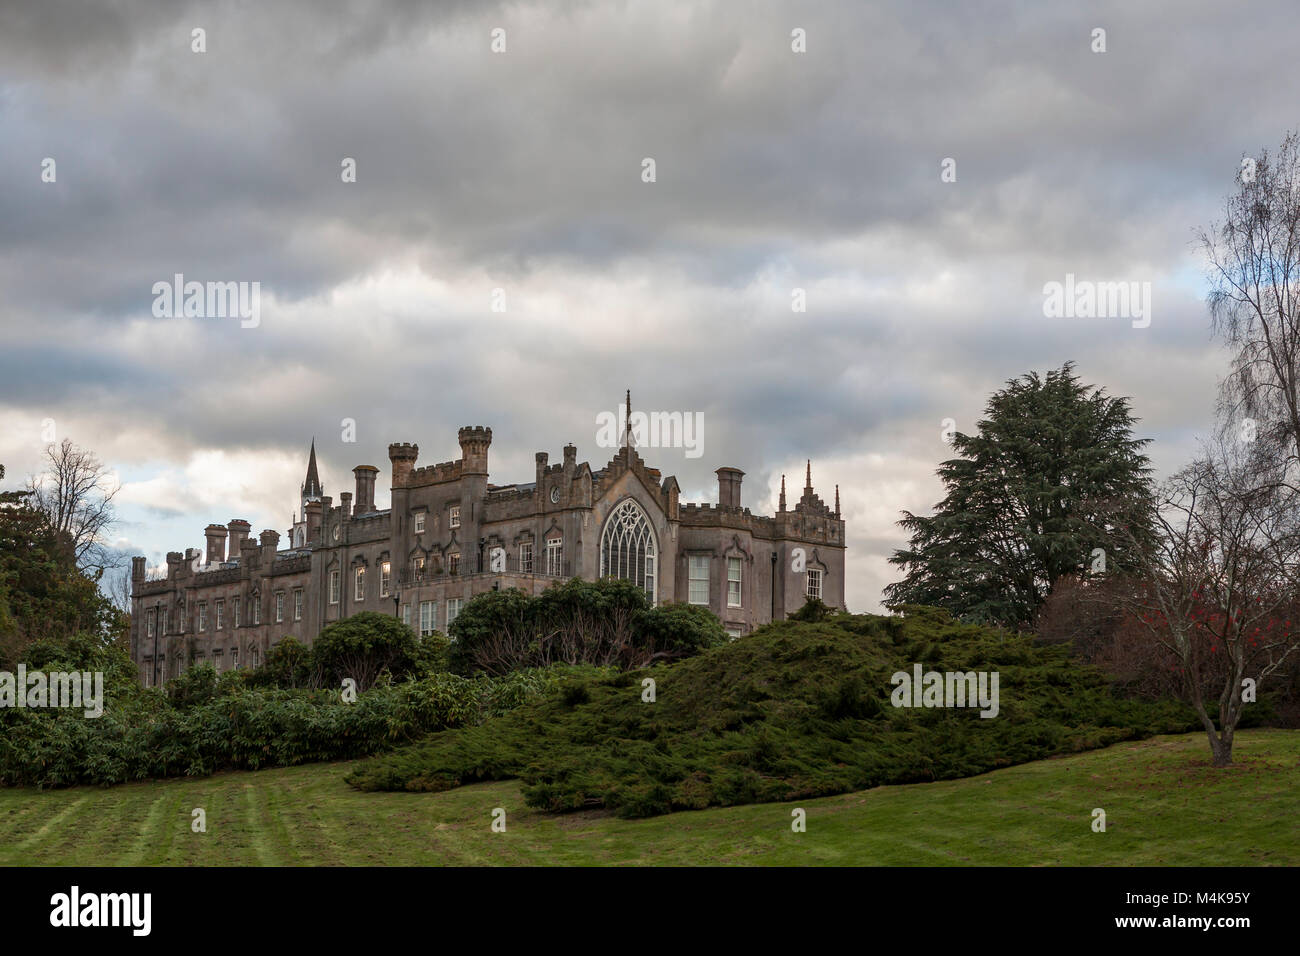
808	483
837	501
311	487
781	507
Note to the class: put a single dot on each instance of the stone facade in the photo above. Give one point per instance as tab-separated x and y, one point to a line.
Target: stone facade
449	534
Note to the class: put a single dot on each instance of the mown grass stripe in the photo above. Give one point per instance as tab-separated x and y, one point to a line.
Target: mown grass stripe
35	838
1164	805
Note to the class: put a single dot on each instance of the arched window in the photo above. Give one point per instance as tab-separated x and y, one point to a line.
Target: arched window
627	547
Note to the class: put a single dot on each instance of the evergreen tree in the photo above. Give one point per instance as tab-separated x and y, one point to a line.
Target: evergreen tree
1053	471
43	594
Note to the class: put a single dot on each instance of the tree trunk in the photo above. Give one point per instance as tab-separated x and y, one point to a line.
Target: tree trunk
1220	743
1221	747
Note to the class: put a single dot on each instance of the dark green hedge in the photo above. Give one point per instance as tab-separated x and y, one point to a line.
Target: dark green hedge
207	724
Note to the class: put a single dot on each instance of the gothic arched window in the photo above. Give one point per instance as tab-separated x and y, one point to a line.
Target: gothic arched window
627	547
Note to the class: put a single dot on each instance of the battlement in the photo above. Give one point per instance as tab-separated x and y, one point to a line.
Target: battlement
222	575
705	515
290	563
437	474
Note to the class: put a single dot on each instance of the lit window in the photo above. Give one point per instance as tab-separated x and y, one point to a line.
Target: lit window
699	578
334	587
453	563
453	516
417	566
385	578
733	582
814	583
555	557
359	592
526	558
297	604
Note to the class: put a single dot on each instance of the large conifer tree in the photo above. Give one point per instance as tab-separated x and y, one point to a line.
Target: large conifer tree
1053	470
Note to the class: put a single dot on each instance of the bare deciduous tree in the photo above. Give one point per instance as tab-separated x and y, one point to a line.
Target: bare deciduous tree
117	586
1254	302
76	494
1217	586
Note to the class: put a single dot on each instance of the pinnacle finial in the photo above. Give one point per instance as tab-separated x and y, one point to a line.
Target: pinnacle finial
837	501
627	430
808	482
782	504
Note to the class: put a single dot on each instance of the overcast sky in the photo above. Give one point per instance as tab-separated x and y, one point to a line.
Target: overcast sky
522	171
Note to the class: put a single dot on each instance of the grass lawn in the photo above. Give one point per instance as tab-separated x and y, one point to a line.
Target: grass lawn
1164	806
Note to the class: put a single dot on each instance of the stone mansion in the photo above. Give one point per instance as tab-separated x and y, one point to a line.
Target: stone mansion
449	534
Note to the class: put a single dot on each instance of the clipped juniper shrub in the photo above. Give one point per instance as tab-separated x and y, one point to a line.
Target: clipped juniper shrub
797	709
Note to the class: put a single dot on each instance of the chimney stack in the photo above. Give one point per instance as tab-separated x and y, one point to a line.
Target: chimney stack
365	488
270	542
542	459
570	458
216	535
345	505
239	530
729	487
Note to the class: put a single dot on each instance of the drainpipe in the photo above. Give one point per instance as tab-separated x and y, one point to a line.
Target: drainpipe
773	585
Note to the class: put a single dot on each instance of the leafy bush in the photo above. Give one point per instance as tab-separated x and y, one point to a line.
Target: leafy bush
289	663
795	710
813	610
197	685
364	646
674	630
603	623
